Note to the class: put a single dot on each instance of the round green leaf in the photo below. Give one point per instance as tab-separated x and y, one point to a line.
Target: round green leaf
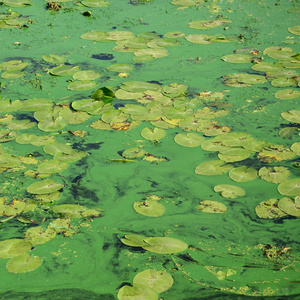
13	247
38	235
149	208
64	70
69	210
133	153
23	263
269	209
137	292
174	90
44	187
296	148
17	3
153	134
189	139
133	240
292	116
86	75
214	167
290	187
275	175
120	68
95	3
96	36
287	94
289	206
238	58
295	29
8	160
243	174
54	59
52	124
82	85
52	166
160	281
12	74
212	207
164	245
56	147
229	191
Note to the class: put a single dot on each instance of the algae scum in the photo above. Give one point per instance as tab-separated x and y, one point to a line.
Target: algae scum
149	149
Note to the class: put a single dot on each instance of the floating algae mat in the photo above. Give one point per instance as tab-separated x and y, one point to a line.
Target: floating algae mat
149	149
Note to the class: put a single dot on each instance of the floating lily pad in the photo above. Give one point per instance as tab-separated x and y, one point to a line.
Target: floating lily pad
97	36
295	29
212	207
69	210
140	86
207	24
164	245
279	53
69	158
23	263
290	187
48	198
153	134
269	209
160	281
20	125
82	85
12	74
133	153
243	174
38	235
8	160
287	94
199	39
174	89
120	68
140	292
229	191
189	139
36	104
275	175
214	167
52	166
86	75
119	35
238	58
64	70
13	65
149	208
44	187
54	59
17	3
52	123
56	147
133	240
7	135
13	247
292	116
95	3
289	206
289	132
296	148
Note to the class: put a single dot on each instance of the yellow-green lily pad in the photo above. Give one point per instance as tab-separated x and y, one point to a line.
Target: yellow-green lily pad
44	187
269	209
275	175
229	190
150	208
23	263
140	292
189	139
243	174
289	206
290	187
212	207
214	167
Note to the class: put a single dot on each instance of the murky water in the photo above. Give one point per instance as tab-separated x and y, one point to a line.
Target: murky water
176	79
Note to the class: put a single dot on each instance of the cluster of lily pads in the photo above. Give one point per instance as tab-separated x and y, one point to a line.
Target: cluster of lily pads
12	20
146	285
13	69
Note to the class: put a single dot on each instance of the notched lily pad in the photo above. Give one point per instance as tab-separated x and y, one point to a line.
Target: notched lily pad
229	191
38	235
269	209
243	174
150	208
275	175
189	139
290	187
13	247
133	240
289	206
214	167
164	245
64	70
44	187
23	263
153	134
141	292
160	281
212	207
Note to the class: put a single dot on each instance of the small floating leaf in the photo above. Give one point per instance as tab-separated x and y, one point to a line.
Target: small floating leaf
38	235
212	207
189	139
269	209
17	3
243	174
160	281
86	75
292	116
289	206
95	3
44	187
13	247
153	134
295	29
229	191
238	58
287	94
214	167
140	292
23	263
164	245
54	59
275	175
290	187
82	85
133	153
149	208
133	240
64	70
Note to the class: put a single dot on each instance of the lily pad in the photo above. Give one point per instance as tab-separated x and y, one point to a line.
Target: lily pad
275	175
153	134
150	208
38	235
207	24
86	75
52	166
243	174
214	167
290	187
82	85
133	153
287	94
238	58
269	209
289	206
189	139
119	35
97	36
69	210
17	3
13	247
95	3
295	29
174	90
8	160
296	148
44	187
292	116
212	207
54	59
23	263
57	147
160	281
133	240
229	191
140	292
164	245
120	68
64	70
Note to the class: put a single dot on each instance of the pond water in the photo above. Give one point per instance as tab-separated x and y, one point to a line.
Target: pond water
149	135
